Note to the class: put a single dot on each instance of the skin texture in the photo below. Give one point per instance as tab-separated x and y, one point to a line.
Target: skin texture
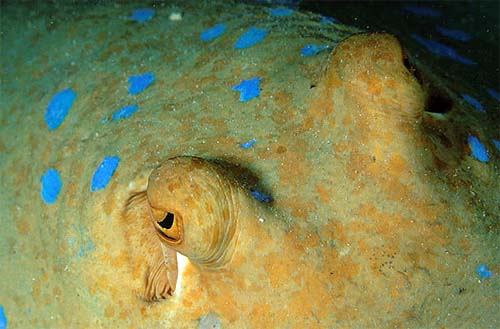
160	272
241	252
223	231
380	214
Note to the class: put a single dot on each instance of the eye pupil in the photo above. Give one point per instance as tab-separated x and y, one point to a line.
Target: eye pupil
168	221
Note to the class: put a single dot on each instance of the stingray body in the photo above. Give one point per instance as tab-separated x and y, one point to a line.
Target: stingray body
380	214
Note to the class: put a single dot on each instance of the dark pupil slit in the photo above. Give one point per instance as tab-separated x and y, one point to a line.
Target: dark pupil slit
168	221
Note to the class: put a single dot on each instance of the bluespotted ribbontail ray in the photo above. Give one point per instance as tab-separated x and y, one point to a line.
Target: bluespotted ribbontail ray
381	212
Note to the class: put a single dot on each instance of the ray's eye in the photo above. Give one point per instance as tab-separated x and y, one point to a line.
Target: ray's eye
168	221
168	224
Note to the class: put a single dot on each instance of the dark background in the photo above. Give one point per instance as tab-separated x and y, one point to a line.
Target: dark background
478	18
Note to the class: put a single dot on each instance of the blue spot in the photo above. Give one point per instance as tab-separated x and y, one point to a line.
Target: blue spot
472	101
442	50
58	108
140	82
280	11
477	149
124	112
213	32
248	89
251	37
327	20
496	143
142	15
84	249
493	93
483	272
84	241
210	320
422	11
454	34
51	186
310	50
261	197
103	173
3	318
248	144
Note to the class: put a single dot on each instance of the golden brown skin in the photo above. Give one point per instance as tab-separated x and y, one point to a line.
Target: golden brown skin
377	244
195	207
195	210
383	213
160	271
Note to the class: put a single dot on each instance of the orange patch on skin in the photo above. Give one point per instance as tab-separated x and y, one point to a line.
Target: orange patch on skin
398	166
334	81
124	315
205	81
385	56
342	147
222	297
112	50
190	274
120	260
391	83
390	226
307	123
57	291
22	228
365	210
299	208
299	305
111	201
219	64
395	190
321	104
349	269
187	302
358	228
208	208
291	171
35	291
278	268
213	123
302	305
173	186
324	195
363	248
284	102
281	149
357	165
109	311
464	245
260	314
375	87
387	174
394	292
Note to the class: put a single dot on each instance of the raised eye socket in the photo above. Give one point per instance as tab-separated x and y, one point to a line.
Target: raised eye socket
168	225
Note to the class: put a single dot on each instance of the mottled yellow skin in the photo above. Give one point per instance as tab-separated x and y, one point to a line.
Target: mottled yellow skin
248	259
380	215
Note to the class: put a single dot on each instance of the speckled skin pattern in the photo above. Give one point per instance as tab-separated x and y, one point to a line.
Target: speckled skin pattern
380	215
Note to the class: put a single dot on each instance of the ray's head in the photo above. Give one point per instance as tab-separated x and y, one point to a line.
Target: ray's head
194	209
